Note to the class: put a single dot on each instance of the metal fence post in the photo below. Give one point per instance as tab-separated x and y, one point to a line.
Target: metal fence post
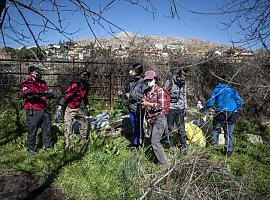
111	91
20	71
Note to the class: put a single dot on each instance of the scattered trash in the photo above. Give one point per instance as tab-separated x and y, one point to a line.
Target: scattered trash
102	120
195	134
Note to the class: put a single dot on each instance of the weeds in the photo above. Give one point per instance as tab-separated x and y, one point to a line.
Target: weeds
106	170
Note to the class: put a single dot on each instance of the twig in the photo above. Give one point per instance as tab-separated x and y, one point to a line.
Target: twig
190	178
152	187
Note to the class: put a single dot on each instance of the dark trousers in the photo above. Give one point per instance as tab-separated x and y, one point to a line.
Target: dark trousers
226	121
176	116
35	119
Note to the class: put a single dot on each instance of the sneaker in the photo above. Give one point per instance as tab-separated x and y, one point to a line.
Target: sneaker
132	147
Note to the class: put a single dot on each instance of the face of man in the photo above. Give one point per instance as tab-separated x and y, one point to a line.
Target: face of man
84	77
183	77
36	75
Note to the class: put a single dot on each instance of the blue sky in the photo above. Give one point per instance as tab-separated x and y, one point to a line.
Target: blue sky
135	19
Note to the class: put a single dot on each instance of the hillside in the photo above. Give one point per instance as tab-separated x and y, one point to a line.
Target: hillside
131	39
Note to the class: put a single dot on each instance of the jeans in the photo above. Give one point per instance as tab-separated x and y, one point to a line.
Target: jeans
136	119
157	127
34	119
226	121
176	116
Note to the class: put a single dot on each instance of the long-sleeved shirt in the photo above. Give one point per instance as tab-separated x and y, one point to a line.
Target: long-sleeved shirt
136	89
156	96
179	92
75	93
32	91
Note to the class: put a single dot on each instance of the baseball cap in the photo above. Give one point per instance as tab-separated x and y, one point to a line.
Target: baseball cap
149	75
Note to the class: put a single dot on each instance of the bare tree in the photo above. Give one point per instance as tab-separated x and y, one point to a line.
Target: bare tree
51	15
253	18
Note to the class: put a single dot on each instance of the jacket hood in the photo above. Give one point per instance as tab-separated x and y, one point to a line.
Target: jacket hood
179	83
222	85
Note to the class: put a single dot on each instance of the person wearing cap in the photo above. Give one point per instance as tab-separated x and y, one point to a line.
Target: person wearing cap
176	85
228	104
75	93
154	102
134	94
36	93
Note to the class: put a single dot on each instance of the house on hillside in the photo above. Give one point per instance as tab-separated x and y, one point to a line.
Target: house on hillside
4	54
159	47
175	47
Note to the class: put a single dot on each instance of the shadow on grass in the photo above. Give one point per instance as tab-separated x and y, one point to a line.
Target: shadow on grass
67	158
20	129
127	129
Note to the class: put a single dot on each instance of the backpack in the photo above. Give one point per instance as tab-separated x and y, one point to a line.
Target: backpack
167	101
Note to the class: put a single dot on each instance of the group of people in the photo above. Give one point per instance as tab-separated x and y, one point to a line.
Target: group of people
36	94
161	106
147	97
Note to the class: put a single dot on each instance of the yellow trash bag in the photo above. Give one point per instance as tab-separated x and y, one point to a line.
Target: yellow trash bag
195	134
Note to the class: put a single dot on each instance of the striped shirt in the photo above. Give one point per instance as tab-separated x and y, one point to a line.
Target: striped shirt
157	97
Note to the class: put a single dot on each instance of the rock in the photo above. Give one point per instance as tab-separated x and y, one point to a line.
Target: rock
254	139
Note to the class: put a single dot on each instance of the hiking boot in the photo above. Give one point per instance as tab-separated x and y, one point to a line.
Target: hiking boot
48	148
32	152
85	141
68	147
228	153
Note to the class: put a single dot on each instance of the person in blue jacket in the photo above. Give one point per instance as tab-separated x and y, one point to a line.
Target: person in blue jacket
227	102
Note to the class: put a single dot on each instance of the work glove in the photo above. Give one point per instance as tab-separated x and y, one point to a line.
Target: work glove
128	96
58	114
88	110
185	113
50	95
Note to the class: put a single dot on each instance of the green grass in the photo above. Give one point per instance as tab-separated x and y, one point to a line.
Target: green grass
106	170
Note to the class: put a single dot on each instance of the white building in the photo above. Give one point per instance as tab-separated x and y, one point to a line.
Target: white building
159	47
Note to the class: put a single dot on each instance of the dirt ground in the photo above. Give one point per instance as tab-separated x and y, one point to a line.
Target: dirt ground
23	186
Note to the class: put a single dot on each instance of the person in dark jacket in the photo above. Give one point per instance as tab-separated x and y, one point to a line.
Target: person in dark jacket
134	94
36	94
176	85
74	95
228	103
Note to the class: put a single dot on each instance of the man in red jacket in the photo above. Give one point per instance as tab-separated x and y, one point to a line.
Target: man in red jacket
36	94
74	95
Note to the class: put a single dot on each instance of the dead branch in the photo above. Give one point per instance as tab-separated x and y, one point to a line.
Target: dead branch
154	184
